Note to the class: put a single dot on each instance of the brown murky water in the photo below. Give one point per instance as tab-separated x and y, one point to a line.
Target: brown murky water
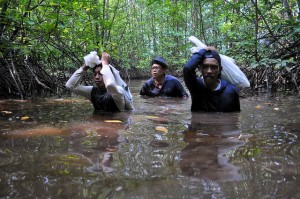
60	148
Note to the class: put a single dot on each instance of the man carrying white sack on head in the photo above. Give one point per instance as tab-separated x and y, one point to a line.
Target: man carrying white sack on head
110	93
209	93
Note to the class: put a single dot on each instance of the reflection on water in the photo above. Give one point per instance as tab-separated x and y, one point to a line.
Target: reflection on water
61	148
209	138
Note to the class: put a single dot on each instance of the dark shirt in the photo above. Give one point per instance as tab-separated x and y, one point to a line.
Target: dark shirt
102	100
170	88
225	99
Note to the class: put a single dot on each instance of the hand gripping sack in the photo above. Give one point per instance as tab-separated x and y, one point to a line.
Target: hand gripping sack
231	72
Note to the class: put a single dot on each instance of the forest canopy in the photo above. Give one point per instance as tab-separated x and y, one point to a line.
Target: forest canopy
43	41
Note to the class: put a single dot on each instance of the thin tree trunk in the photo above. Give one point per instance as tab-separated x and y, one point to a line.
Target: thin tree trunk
256	30
298	3
203	38
287	9
153	33
267	25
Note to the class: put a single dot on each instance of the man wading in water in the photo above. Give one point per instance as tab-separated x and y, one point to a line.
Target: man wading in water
209	93
161	84
110	94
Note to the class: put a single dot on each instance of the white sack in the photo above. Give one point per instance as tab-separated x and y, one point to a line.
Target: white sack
92	59
127	93
231	72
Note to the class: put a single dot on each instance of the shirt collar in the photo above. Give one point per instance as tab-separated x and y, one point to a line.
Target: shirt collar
217	88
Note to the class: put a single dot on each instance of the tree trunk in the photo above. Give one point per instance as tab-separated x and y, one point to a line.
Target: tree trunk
298	3
203	38
287	9
256	30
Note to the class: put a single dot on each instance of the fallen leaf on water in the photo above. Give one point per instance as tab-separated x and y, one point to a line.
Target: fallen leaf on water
111	149
268	103
113	121
24	118
22	101
151	117
162	129
5	129
6	112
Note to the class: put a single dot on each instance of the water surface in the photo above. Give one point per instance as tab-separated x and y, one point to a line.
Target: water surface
61	148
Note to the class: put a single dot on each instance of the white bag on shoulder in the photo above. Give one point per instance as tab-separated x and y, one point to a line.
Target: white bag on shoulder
120	82
231	72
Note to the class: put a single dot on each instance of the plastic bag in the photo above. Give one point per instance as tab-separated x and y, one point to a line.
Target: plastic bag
92	59
231	72
127	93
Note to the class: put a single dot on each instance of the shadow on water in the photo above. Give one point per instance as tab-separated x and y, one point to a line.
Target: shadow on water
62	148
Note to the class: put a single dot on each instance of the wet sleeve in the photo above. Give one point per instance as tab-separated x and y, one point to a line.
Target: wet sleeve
74	85
237	102
189	70
148	91
181	90
144	89
234	100
116	91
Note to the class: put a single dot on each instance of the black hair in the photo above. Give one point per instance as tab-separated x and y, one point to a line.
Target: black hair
99	65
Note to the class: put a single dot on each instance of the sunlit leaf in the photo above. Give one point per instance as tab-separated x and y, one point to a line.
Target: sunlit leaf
151	117
24	118
111	149
72	157
162	129
113	121
276	109
258	107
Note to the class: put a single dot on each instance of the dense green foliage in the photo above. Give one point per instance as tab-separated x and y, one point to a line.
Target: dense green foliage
55	34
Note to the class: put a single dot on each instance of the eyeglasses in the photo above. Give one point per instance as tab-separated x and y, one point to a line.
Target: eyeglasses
211	66
156	68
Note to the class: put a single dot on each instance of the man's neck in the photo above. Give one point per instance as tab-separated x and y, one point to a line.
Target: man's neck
213	86
160	79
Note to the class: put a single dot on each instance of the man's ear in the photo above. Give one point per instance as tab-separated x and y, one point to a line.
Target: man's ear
221	68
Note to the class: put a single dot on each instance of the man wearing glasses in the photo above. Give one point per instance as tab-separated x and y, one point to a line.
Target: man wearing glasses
162	84
209	93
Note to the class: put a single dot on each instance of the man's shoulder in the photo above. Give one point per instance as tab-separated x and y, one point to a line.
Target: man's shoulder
171	77
228	85
149	81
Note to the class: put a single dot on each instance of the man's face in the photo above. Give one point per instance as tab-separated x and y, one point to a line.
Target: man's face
157	71
210	70
98	78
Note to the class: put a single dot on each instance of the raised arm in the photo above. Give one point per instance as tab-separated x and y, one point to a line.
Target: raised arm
74	83
189	70
116	91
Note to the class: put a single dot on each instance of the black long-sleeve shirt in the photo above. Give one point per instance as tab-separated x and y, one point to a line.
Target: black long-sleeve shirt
170	88
225	99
